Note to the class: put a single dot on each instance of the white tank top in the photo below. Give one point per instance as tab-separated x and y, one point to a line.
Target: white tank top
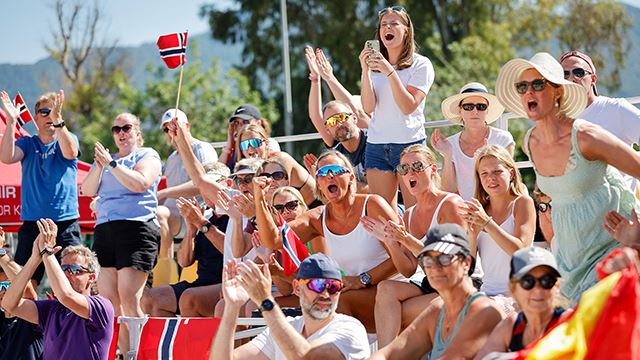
355	252
495	261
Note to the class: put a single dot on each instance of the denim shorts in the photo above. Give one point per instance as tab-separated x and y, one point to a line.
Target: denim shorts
385	157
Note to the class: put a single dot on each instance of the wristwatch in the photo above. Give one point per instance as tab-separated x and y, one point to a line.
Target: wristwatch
113	164
47	250
59	125
365	279
267	305
205	228
3	251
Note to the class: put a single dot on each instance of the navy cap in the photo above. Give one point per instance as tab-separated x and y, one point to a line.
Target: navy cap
319	266
246	112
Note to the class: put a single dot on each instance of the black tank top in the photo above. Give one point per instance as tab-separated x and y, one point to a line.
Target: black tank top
520	324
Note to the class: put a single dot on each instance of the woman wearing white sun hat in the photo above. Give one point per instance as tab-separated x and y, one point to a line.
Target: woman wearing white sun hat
571	159
473	108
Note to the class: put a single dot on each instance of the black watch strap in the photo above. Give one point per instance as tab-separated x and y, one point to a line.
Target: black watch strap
47	250
113	164
59	125
266	305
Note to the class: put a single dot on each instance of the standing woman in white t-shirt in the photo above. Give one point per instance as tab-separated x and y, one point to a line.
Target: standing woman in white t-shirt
473	108
395	83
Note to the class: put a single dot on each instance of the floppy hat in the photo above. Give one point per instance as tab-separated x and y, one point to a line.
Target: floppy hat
451	109
172	113
573	101
526	259
586	58
319	266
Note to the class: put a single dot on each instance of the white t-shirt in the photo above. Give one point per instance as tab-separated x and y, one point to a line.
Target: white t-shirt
345	332
619	117
228	252
465	165
389	124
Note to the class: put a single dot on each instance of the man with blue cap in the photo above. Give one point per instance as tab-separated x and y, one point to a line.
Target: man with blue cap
319	332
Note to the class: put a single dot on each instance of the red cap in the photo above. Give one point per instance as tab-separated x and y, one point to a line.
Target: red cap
584	57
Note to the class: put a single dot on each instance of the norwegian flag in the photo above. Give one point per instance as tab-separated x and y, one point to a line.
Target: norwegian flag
177	338
25	115
173	49
294	251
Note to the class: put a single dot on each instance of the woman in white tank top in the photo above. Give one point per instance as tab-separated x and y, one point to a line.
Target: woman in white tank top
419	172
501	217
364	260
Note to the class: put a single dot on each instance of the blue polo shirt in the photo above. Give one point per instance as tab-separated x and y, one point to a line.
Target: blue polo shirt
49	181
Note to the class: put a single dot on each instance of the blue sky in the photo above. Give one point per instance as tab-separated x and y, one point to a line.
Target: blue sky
26	24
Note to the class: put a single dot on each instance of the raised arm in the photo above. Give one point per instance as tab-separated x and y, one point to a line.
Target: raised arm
367	94
442	146
9	153
11	268
598	144
68	143
315	98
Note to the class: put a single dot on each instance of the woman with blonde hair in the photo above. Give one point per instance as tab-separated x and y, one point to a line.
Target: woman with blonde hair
501	217
395	83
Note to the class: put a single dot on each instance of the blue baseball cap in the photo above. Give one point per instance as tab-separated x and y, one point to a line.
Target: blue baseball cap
319	266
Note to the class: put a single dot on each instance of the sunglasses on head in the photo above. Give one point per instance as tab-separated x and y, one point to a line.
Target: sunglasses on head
335	170
391	8
543	206
546	281
430	261
469	107
537	85
4	285
44	112
126	128
253	142
74	269
417	166
336	119
290	205
276	175
319	285
577	72
247	179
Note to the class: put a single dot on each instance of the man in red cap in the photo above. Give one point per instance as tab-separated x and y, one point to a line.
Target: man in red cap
616	115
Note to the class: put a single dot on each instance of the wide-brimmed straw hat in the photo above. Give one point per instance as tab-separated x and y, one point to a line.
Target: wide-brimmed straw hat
451	105
573	101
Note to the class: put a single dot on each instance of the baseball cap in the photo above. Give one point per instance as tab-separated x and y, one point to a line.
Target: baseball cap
524	260
216	170
319	266
448	239
586	59
247	166
246	112
172	113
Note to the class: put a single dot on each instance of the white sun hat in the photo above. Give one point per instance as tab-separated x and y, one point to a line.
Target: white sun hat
451	105
573	101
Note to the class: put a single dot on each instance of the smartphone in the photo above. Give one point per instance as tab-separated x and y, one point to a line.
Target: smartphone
373	44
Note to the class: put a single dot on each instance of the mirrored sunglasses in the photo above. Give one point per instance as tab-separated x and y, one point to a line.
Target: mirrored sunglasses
430	261
523	86
335	170
44	112
469	107
543	206
417	166
126	128
246	179
546	281
577	72
4	285
332	286
337	118
74	269
291	206
254	143
276	175
391	8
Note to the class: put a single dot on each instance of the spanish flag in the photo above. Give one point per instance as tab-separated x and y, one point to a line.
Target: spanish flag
605	325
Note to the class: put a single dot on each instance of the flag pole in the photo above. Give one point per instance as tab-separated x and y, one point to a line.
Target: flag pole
180	79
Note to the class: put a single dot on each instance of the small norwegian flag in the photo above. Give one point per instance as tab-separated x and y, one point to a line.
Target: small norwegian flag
173	49
25	115
294	251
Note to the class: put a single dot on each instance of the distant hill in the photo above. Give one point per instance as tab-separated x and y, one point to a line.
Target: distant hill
31	80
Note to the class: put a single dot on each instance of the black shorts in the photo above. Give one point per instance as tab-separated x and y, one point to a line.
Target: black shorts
125	243
424	286
68	234
182	286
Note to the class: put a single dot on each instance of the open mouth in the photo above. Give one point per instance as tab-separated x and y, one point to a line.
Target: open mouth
532	105
333	189
413	183
389	37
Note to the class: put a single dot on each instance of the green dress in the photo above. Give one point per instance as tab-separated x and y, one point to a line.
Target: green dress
581	197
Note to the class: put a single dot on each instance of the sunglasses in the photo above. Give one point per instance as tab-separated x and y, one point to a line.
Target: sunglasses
430	261
417	166
339	118
391	8
254	143
276	175
577	72
546	281
4	285
332	286
247	179
335	170
291	206
469	107
74	269
543	206
536	85
44	112
126	128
